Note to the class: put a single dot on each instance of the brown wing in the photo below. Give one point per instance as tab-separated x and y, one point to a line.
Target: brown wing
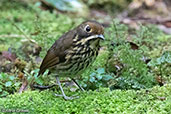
56	54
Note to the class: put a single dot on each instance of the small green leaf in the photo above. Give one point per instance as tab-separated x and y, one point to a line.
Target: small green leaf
17	84
3	76
168	57
9	83
39	81
35	72
99	77
46	73
4	93
84	85
92	79
11	77
101	70
107	77
92	74
1	88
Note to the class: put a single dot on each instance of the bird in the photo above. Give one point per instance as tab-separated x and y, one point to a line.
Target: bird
73	52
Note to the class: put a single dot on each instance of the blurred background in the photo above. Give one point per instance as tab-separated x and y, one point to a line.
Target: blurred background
127	11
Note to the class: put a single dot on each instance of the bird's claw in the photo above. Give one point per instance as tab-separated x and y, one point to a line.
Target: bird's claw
68	98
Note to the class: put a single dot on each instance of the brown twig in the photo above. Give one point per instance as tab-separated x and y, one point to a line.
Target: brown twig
28	38
12	36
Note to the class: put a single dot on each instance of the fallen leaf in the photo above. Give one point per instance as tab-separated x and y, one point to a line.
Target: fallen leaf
134	46
9	56
167	23
162	98
160	80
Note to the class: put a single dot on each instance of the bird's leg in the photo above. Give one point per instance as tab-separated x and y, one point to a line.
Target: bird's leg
77	84
63	94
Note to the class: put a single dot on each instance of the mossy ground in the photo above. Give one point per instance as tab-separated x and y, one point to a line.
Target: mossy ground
153	101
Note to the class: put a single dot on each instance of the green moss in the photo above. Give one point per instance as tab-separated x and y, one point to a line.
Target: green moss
156	100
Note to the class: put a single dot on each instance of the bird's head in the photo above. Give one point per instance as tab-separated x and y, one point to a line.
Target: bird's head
90	32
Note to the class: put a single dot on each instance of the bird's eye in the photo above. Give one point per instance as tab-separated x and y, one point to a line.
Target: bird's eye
88	28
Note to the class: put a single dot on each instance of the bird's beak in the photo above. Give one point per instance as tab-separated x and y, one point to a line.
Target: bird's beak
101	36
95	37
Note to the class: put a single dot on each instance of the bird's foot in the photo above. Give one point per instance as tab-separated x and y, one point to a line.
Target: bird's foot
43	87
67	98
71	98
